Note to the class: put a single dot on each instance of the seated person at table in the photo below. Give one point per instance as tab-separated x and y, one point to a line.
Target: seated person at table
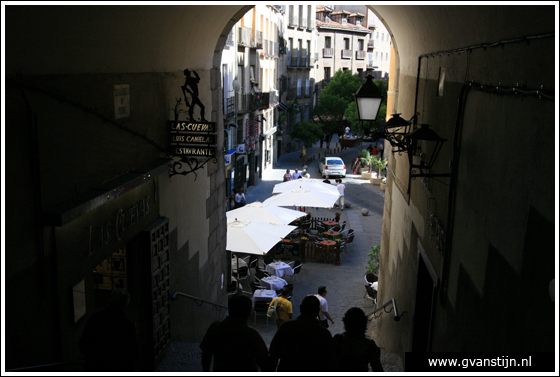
232	343
284	307
302	344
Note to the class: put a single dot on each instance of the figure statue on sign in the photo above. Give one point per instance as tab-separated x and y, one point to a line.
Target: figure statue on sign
191	87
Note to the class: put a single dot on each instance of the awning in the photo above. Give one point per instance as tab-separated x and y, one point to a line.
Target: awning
283	107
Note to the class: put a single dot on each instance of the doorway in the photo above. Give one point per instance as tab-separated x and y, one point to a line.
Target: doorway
426	284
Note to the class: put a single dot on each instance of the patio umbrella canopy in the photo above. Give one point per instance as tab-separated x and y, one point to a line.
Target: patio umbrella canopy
306	184
254	237
304	198
264	213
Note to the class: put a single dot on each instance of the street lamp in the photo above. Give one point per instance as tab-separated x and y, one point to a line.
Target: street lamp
368	100
427	158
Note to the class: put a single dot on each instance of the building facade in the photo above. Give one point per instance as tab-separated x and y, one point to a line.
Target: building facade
249	78
297	75
343	43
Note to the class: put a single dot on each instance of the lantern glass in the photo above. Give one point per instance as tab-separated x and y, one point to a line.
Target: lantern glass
368	107
368	100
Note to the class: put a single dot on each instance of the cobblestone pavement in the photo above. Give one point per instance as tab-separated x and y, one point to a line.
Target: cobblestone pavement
345	283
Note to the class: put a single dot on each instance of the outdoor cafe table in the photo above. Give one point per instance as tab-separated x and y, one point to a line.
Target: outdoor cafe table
331	234
273	282
330	223
279	269
263	295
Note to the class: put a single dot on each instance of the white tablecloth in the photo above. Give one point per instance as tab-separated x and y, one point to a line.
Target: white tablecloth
279	269
273	282
263	294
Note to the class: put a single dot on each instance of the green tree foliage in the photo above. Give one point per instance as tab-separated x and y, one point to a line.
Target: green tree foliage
334	100
307	131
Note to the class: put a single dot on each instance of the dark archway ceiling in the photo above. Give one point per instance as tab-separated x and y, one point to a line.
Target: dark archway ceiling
101	38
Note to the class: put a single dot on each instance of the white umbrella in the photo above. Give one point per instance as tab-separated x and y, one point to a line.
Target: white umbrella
305	183
264	213
254	237
304	198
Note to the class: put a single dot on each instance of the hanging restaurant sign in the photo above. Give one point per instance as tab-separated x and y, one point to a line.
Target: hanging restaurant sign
194	139
192	143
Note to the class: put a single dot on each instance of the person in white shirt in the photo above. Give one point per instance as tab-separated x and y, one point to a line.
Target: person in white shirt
324	312
296	175
341	189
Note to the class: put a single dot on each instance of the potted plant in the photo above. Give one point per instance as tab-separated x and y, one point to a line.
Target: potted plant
337	216
378	164
374	257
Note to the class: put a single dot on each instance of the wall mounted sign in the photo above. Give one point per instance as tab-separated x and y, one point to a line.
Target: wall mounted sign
241	148
190	139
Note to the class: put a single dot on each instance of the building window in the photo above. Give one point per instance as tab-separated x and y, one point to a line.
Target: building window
327	42
360	45
347	43
376	53
327	73
386	56
377	36
382	37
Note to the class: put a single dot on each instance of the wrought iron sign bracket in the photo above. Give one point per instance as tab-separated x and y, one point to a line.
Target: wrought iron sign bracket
192	164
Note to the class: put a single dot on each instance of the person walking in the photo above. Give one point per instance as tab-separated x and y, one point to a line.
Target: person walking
356	165
109	340
324	312
380	150
303	155
354	352
240	199
296	175
302	344
341	190
232	344
283	307
287	176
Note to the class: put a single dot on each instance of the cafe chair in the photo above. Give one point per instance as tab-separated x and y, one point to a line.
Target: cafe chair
350	239
371	294
255	286
260	274
242	273
232	288
254	264
261	307
297	270
370	278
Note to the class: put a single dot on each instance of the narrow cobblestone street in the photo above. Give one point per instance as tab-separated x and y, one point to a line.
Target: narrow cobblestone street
345	283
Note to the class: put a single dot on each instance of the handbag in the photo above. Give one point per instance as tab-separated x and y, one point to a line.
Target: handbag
271	312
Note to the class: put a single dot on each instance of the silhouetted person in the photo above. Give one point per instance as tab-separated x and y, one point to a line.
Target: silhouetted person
109	338
234	346
353	350
302	344
191	86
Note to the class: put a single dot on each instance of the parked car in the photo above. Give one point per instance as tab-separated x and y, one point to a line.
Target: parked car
332	166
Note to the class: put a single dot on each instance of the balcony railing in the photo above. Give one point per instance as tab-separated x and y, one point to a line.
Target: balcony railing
229	40
229	107
293	21
302	23
346	54
360	55
328	52
258	42
244	36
